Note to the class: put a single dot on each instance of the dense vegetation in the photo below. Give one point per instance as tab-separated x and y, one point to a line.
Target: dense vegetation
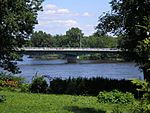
115	97
130	19
114	101
73	38
17	20
90	86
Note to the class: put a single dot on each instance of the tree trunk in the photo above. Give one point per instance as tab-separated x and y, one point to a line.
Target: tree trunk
146	73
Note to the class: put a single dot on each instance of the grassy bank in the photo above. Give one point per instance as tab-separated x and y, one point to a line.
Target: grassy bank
43	103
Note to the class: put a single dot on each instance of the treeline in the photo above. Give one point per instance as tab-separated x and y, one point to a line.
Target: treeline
90	86
81	86
73	38
72	86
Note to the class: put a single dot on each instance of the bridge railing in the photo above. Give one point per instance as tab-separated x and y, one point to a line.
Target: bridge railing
67	49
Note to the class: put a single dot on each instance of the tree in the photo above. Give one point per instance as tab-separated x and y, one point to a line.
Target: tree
17	20
99	42
41	39
38	85
127	19
74	36
143	50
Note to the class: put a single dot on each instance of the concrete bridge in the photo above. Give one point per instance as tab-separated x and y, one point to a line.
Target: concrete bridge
47	49
71	53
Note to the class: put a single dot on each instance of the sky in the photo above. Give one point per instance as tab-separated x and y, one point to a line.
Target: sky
58	16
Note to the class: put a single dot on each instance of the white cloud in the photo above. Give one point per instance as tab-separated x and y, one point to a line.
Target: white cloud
42	23
55	20
63	11
56	26
87	29
54	10
50	6
86	14
66	23
57	12
50	12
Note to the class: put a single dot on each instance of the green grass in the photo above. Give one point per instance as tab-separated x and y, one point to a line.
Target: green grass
50	103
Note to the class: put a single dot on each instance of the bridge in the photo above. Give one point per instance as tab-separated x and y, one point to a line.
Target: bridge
71	53
47	49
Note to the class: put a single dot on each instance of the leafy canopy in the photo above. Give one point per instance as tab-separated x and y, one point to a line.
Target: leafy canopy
125	19
74	36
17	20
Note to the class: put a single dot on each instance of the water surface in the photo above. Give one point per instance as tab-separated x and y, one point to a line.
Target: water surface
60	68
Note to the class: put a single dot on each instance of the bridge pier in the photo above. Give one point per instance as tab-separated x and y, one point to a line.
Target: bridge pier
72	58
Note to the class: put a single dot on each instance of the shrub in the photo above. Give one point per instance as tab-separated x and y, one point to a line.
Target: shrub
24	88
143	106
115	97
8	80
38	85
90	86
2	98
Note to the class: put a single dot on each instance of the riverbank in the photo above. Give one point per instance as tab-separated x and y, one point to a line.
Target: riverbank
46	57
96	58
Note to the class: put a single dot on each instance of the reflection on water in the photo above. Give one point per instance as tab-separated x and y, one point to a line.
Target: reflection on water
60	68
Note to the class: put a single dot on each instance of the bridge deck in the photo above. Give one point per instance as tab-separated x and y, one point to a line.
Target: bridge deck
46	49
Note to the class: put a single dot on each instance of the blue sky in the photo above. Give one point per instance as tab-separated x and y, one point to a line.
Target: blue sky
60	15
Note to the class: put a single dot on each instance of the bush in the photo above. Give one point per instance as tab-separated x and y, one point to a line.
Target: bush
143	106
58	86
2	98
24	87
8	80
115	97
38	85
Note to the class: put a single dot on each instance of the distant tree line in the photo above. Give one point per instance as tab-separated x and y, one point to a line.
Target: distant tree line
73	38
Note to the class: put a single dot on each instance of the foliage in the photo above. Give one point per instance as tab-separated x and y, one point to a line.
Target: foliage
24	87
38	85
144	48
2	98
143	106
41	39
115	97
90	86
117	109
8	80
107	57
73	38
125	19
10	83
17	21
143	85
95	41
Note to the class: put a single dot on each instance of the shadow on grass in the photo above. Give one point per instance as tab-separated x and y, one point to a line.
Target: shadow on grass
76	109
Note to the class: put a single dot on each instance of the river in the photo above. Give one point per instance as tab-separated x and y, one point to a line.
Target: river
59	68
